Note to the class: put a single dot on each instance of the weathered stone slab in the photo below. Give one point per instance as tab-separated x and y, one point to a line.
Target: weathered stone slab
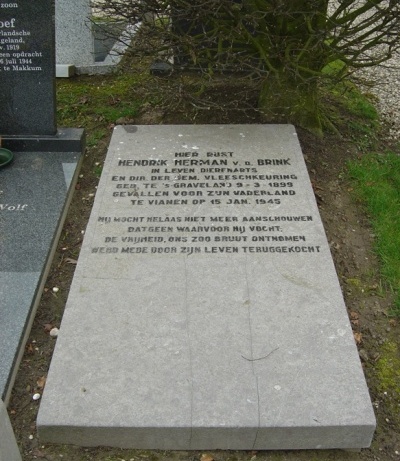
34	193
86	45
205	310
8	446
74	35
27	68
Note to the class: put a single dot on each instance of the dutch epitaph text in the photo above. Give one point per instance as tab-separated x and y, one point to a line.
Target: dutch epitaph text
163	192
27	67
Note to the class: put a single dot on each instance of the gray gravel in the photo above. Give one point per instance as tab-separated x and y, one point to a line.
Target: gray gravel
385	85
382	81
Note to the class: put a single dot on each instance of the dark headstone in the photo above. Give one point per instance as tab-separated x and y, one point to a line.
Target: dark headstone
27	68
34	195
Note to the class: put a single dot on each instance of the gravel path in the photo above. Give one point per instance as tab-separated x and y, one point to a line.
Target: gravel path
382	81
385	81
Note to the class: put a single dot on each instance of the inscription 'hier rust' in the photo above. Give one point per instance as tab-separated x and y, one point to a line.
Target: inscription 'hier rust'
165	197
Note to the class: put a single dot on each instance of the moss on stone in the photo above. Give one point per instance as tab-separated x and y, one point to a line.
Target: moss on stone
388	374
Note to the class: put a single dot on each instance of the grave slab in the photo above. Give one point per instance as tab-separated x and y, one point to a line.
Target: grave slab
205	310
8	446
34	194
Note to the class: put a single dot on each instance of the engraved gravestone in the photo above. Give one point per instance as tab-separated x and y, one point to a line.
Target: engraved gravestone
205	311
36	187
27	68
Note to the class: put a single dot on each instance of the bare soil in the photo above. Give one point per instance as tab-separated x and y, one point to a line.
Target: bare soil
351	241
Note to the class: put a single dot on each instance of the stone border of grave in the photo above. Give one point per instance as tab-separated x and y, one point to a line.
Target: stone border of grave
114	56
69	143
65	140
8	445
68	146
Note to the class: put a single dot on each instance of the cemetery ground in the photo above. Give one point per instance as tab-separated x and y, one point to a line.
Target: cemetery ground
131	96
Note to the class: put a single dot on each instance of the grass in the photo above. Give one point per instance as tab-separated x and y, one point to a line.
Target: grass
94	102
375	176
376	179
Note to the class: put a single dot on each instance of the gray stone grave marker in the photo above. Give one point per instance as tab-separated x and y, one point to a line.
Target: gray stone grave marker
35	189
74	35
34	192
27	68
8	445
205	311
86	44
